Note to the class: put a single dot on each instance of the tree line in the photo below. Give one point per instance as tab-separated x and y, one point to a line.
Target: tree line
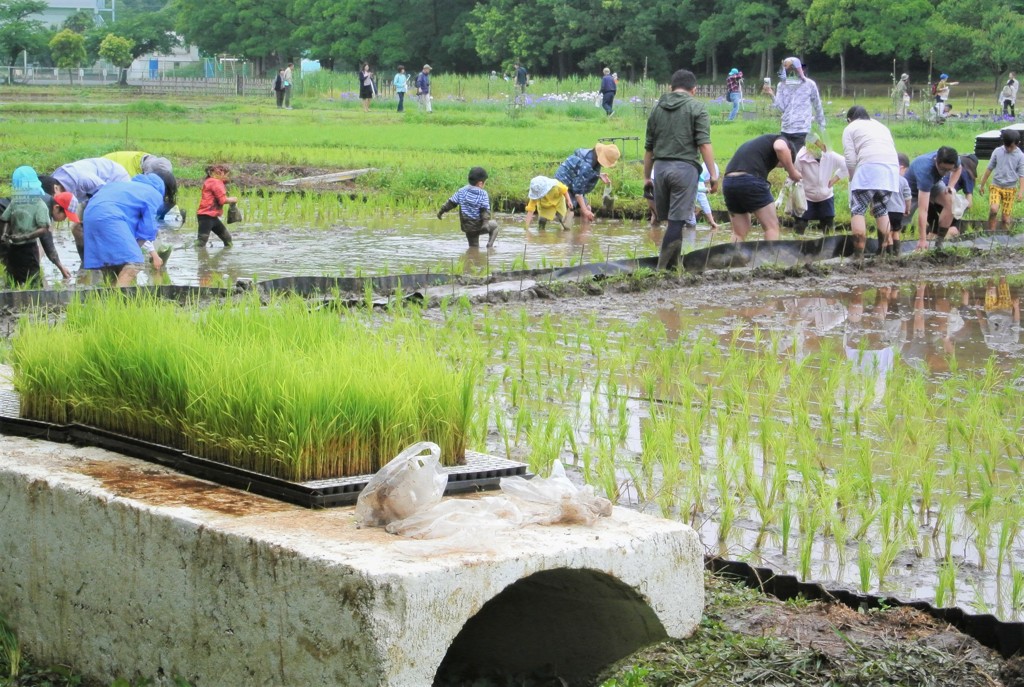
636	38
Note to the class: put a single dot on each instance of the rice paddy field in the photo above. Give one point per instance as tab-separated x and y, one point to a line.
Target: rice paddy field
859	427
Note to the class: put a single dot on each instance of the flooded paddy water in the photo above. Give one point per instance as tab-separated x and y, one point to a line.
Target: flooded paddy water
863	431
380	246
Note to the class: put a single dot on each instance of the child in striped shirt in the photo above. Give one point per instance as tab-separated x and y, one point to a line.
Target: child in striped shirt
474	209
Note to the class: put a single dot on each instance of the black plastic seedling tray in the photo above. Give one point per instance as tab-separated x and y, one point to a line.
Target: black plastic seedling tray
480	471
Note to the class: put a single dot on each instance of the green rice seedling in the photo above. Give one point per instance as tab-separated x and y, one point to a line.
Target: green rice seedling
297	423
10	646
1017	590
786	523
945	589
865	563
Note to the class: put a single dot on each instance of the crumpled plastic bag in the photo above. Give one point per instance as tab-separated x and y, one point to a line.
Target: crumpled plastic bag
410	483
553	500
960	205
792	199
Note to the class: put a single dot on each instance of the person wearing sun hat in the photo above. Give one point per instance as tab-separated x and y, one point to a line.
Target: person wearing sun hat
550	199
581	171
798	99
25	220
734	91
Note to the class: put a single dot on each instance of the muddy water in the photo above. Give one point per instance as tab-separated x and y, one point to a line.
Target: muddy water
380	247
925	324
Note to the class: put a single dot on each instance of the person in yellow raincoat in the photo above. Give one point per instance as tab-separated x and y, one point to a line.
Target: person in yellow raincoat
137	162
550	199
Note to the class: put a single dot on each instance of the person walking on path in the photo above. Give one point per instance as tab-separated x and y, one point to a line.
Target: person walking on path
279	88
522	79
901	96
746	188
423	89
581	171
927	189
401	82
608	88
734	91
677	140
367	89
874	168
1008	96
1006	167
286	84
798	99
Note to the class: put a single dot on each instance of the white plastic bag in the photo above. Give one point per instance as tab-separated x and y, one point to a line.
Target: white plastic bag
410	483
959	205
598	100
798	199
792	200
555	499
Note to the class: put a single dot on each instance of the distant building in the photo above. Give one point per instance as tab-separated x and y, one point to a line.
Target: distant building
57	11
154	66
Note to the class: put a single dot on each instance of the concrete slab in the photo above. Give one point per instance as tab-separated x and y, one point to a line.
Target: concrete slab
126	569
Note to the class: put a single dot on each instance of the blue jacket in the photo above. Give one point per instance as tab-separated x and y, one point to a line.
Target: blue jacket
607	84
423	82
578	172
121	214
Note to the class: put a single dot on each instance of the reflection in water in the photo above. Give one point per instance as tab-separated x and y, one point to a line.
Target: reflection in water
921	324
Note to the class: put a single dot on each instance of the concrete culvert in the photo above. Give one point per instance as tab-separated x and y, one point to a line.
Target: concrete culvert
553	626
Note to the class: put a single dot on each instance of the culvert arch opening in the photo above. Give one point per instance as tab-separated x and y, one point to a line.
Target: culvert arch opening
564	624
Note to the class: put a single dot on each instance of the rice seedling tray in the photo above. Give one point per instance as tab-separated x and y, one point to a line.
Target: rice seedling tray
480	472
1006	637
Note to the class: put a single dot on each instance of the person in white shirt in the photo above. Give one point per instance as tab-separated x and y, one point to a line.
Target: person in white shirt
874	168
821	169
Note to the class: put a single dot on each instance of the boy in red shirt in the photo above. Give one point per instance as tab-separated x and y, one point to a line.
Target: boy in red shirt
211	203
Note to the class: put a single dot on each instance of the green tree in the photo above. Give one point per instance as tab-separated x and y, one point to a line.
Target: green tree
17	31
79	22
260	30
68	50
832	25
151	32
118	51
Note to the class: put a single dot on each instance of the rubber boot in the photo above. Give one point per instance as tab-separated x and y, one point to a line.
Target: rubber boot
671	246
799	226
492	231
940	237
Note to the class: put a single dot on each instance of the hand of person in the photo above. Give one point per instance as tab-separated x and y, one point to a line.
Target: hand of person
157	261
587	213
605	178
65	272
713	185
922	244
795	175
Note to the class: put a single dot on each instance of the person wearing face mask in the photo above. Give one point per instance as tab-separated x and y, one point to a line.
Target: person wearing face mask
821	169
798	99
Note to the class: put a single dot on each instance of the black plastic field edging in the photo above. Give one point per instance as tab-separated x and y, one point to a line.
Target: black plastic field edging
317	494
1005	637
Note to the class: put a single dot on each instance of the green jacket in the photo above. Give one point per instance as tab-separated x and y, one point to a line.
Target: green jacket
677	125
